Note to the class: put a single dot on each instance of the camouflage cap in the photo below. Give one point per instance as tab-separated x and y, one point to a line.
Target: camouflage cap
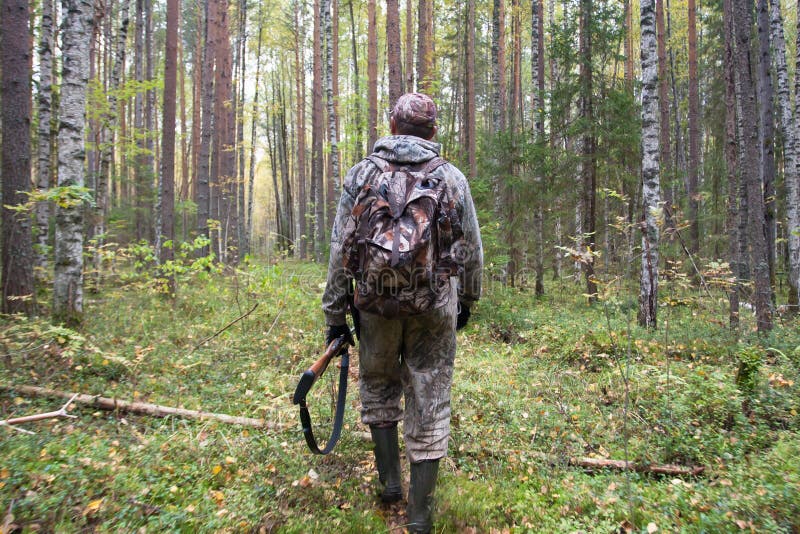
415	108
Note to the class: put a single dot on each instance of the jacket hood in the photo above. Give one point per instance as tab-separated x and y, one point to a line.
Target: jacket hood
406	149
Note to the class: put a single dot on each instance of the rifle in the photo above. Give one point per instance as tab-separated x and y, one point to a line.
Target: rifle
337	347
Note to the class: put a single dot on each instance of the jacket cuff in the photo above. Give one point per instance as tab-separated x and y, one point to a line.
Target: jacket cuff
335	319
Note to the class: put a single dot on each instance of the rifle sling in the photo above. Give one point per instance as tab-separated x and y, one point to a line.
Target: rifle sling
305	417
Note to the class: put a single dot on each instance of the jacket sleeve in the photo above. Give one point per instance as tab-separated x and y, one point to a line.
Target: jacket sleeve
471	253
334	299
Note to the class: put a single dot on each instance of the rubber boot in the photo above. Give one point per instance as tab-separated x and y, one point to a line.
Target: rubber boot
420	496
387	458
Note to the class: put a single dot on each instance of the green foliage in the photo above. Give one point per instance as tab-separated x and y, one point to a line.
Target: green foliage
537	381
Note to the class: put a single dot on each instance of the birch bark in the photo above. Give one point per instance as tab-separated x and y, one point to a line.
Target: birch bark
68	279
651	190
791	170
45	103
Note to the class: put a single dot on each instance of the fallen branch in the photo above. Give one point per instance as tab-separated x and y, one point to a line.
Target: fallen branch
61	412
221	330
595	464
144	408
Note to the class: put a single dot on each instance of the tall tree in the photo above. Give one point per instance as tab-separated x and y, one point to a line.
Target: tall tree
68	280
469	102
425	46
663	101
694	132
225	138
393	61
203	186
166	228
767	132
791	148
372	75
109	122
651	195
15	62
317	139
730	164
588	156
748	164
141	177
409	57
248	235
498	67
537	72
300	88
333	177
357	141
45	131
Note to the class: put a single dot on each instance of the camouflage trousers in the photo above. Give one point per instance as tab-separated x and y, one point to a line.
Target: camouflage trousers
410	358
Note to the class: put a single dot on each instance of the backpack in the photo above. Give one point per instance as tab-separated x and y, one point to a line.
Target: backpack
397	240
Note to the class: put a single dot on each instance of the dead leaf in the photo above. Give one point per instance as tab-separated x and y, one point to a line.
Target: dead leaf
92	507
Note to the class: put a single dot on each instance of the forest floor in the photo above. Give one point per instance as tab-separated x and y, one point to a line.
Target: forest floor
539	383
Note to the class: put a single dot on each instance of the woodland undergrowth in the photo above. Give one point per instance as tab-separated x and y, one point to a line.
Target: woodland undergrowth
538	381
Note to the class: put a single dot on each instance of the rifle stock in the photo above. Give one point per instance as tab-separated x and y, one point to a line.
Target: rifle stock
335	348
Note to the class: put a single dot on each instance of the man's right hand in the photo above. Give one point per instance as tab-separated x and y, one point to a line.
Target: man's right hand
336	331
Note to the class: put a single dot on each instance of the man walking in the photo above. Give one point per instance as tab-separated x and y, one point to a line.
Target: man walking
407	232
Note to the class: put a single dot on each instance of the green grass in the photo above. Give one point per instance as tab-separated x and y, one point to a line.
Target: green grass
537	381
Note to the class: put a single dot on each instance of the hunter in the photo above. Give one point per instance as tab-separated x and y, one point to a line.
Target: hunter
406	234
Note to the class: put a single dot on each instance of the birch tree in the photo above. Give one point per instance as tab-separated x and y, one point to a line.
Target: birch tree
68	279
333	178
651	193
15	56
790	150
45	130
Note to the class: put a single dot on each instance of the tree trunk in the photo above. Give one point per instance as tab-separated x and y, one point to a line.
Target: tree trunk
588	170
469	108
651	193
109	123
425	74
791	165
663	103
207	125
15	63
730	164
372	76
359	149
140	178
746	97
694	134
149	131
393	60
409	57
300	88
767	133
317	140
498	67
68	281
248	236
225	118
167	226
333	177
45	133
537	71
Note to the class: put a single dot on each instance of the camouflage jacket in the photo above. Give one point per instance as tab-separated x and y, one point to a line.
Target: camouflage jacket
403	149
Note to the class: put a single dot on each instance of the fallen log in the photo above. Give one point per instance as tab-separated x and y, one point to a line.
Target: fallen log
143	408
596	464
